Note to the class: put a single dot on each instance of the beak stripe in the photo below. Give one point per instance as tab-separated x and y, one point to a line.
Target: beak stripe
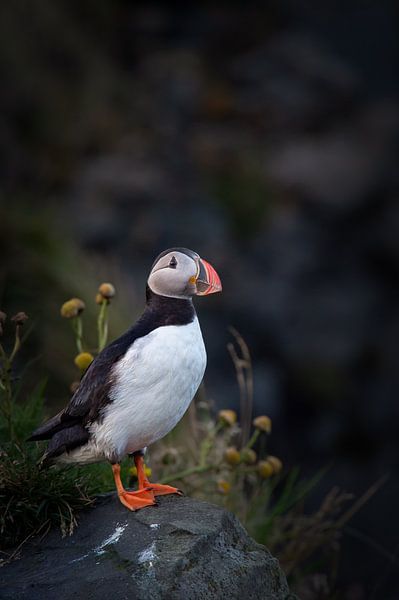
212	279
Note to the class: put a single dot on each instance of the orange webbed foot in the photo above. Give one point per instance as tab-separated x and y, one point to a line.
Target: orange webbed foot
132	500
157	489
138	499
162	490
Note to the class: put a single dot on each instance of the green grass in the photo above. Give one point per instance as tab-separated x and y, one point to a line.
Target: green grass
34	500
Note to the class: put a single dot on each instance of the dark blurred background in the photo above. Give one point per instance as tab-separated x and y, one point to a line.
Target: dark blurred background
262	135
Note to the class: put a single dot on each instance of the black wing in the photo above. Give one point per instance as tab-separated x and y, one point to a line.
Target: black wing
68	429
92	394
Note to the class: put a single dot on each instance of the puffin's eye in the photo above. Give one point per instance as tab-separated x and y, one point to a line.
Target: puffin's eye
173	263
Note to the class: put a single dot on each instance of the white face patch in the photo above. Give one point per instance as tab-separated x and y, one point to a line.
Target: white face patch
171	274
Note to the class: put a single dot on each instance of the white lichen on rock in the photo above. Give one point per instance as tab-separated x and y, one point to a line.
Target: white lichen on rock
148	555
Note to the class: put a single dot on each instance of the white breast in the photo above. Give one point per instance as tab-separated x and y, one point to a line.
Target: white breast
154	385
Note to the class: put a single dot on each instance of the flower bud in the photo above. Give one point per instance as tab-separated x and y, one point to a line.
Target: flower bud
224	486
228	417
232	456
265	469
106	290
248	456
275	463
83	360
20	318
72	308
263	423
99	299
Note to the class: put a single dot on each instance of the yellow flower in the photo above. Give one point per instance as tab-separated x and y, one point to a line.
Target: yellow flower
83	360
232	456
147	471
271	466
275	463
106	290
228	417
72	308
248	456
224	486
263	423
265	469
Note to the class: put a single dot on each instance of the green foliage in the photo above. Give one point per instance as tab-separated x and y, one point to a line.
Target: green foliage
33	500
100	479
26	415
268	506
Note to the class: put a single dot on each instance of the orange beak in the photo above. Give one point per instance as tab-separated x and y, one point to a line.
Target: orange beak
208	281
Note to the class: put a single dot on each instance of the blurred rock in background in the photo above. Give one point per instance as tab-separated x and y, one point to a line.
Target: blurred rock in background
264	136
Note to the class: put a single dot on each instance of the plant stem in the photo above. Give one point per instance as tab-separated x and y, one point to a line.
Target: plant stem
243	367
17	345
203	466
102	325
206	445
6	403
253	439
187	472
77	326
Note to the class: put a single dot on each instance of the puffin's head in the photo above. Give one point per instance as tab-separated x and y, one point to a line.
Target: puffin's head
181	273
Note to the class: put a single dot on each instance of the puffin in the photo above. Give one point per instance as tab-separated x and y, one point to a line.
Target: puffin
139	387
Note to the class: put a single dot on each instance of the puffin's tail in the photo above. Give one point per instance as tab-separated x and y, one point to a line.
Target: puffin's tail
64	432
48	429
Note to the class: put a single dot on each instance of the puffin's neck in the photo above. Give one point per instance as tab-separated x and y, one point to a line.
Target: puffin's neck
174	311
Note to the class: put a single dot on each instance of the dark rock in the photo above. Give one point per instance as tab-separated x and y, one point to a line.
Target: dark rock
183	548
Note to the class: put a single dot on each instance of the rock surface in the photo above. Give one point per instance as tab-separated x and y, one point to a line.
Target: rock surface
183	548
